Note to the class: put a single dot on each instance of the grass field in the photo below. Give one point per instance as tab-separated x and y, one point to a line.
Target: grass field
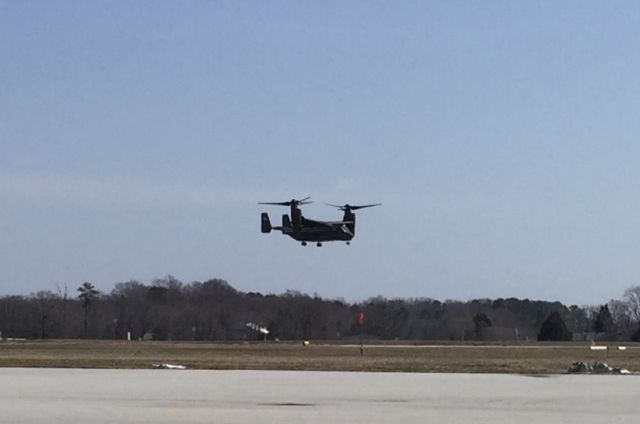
529	358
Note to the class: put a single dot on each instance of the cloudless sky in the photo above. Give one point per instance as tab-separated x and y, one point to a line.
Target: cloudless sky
501	137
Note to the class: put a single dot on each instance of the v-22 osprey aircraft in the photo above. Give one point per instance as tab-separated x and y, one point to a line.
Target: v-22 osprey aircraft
306	230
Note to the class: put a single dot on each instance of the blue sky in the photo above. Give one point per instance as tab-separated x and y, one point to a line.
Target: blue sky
501	138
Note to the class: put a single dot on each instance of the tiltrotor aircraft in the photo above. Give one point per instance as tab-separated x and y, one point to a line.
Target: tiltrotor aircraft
306	230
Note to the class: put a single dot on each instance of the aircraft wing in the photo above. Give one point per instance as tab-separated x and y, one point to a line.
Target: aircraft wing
284	230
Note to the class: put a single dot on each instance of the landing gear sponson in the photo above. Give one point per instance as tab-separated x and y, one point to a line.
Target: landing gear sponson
304	243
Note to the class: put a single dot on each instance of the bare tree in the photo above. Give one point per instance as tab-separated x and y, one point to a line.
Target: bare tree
64	295
632	298
621	318
46	303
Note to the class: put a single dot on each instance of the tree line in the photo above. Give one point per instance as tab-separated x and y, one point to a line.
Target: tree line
167	309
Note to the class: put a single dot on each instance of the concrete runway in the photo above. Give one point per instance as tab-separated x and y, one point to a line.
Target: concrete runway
171	396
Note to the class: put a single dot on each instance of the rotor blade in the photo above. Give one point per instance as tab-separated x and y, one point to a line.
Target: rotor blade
353	208
304	201
364	206
275	203
335	206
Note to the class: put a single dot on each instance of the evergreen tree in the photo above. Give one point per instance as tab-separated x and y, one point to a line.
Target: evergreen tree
635	337
480	322
604	322
87	294
554	329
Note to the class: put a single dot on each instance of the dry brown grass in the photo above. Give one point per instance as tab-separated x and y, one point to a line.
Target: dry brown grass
529	358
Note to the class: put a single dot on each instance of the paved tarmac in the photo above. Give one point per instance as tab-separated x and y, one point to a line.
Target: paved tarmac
29	396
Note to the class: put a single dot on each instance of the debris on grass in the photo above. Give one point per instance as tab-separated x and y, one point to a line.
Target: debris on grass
597	368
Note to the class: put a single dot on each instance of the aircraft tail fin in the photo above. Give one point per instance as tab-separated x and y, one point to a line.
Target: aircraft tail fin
266	223
286	222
